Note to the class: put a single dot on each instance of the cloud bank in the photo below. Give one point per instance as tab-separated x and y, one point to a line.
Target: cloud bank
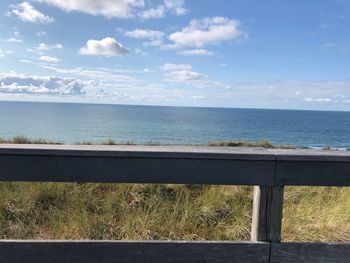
15	83
120	8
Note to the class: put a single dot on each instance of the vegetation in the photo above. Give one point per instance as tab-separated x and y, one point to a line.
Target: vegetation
262	144
25	140
121	211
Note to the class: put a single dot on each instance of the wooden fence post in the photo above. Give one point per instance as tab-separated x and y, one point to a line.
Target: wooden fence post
267	213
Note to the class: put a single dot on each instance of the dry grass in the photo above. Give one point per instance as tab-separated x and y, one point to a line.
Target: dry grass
107	211
149	212
317	214
25	140
262	144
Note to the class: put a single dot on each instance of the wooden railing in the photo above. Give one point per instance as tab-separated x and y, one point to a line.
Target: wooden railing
269	170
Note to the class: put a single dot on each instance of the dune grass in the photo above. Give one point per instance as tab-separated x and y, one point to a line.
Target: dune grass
25	140
231	143
262	144
158	212
107	211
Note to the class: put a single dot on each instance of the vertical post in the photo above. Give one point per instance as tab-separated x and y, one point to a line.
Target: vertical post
267	213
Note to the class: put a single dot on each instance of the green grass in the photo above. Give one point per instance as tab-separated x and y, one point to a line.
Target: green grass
158	212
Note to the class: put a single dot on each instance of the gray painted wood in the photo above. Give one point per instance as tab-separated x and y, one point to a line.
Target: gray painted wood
174	164
259	216
140	151
274	213
310	253
313	173
134	170
267	213
132	252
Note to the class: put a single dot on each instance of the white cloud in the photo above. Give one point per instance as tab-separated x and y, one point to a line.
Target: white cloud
2	54
105	47
210	30
27	13
15	83
120	8
197	97
49	59
25	61
318	100
176	6
106	75
174	67
155	38
14	40
172	6
181	73
144	34
157	12
44	47
196	52
293	94
184	73
107	8
41	33
184	76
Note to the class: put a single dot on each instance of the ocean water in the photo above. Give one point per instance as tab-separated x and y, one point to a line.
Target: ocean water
70	123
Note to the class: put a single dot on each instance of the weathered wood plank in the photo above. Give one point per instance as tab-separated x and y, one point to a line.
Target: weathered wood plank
313	173
259	214
41	168
132	252
267	213
171	151
310	252
274	213
139	151
174	164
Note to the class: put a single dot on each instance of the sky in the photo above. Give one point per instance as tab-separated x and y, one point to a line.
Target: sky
242	54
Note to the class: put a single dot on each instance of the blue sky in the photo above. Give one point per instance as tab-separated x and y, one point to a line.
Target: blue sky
253	54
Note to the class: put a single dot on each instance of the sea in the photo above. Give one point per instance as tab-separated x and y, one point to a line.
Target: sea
73	123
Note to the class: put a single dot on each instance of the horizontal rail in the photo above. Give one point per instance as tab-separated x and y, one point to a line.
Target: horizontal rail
174	164
269	169
310	252
132	252
171	252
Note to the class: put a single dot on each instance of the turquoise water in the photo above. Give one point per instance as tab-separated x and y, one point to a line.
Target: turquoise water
172	125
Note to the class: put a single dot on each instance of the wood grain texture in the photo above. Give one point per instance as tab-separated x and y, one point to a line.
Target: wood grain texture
313	173
132	252
274	213
267	213
174	164
259	214
310	253
134	170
